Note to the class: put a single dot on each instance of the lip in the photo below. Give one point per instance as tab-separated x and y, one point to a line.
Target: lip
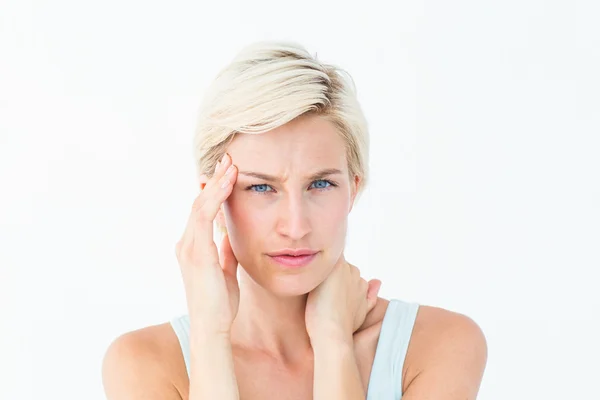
293	258
293	252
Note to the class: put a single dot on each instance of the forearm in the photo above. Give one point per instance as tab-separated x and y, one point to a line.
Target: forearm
212	375
336	374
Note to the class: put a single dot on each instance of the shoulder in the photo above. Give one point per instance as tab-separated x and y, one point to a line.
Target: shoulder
447	350
141	364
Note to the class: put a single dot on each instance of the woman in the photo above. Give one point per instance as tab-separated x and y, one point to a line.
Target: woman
282	154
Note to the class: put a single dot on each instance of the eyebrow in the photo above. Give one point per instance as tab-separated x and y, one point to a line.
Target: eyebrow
270	178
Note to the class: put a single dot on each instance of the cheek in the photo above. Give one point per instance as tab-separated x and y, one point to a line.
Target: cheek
337	224
242	216
238	227
330	214
233	214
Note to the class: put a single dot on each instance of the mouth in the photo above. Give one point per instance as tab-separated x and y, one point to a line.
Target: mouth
293	259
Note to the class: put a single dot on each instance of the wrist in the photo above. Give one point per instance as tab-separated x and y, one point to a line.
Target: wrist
205	338
211	372
206	330
337	375
328	338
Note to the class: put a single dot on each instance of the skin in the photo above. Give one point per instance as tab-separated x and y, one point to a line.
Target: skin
292	211
274	327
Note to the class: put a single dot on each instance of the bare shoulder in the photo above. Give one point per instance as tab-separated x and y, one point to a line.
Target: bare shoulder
144	364
446	357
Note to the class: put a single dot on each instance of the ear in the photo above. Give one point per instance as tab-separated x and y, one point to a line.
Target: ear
202	181
354	190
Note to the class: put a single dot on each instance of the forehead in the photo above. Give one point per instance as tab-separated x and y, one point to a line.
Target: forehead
307	142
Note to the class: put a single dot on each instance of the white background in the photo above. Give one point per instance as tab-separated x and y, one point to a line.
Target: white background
484	198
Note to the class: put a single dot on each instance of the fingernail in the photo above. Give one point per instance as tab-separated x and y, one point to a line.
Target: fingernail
229	170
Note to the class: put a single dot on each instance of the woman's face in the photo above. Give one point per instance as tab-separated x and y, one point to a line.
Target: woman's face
293	191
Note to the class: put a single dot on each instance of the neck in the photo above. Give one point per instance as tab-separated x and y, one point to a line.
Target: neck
270	324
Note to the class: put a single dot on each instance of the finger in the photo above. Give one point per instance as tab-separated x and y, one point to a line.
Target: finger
228	261
188	235
219	187
216	191
372	292
364	286
219	172
354	269
341	261
200	216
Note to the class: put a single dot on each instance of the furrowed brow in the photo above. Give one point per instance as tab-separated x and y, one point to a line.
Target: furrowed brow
258	175
270	178
324	173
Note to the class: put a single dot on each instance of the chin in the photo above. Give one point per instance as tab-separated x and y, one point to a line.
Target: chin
291	286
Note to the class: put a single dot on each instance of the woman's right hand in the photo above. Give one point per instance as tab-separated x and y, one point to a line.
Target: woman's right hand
209	276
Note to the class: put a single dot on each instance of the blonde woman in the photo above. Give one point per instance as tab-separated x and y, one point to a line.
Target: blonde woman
282	152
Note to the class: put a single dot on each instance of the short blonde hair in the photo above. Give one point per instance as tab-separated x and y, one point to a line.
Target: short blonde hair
270	83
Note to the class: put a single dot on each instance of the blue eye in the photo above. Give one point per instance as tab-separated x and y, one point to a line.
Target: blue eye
321	183
260	188
318	184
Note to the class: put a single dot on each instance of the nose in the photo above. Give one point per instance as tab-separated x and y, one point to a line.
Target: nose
293	219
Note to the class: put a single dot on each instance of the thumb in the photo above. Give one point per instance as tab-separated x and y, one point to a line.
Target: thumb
372	291
228	261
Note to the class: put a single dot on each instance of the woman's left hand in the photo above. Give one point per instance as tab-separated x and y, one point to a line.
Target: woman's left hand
339	305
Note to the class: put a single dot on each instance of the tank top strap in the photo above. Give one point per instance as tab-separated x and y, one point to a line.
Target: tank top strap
385	381
181	326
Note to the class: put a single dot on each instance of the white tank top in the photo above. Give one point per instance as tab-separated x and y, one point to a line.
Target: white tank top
385	382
